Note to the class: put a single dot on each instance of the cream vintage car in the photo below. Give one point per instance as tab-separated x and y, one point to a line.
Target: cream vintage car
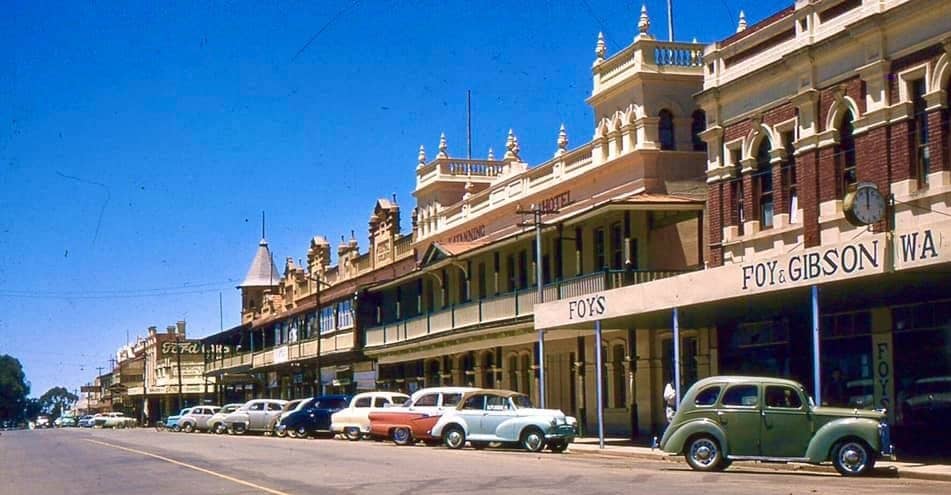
114	420
354	421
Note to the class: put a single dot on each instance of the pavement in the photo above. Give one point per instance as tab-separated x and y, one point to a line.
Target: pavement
621	447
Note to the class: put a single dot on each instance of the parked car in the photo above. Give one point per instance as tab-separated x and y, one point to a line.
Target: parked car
216	423
414	421
312	416
485	416
88	421
928	402
197	418
172	422
65	421
288	408
114	420
42	421
354	421
254	415
728	418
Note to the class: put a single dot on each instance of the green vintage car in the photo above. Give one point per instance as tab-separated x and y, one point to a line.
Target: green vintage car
731	418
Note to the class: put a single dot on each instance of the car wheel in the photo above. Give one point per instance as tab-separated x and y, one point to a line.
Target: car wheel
479	445
176	428
238	429
703	454
852	458
188	428
352	433
301	432
220	428
454	437
402	436
533	440
558	446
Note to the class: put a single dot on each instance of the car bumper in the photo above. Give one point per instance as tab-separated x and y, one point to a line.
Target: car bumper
561	432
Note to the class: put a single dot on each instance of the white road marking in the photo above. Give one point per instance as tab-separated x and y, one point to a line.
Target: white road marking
189	466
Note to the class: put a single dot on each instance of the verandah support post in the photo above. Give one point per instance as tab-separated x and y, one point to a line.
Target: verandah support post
598	363
677	355
817	381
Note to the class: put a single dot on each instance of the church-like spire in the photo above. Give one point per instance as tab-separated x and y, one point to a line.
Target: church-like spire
262	272
741	26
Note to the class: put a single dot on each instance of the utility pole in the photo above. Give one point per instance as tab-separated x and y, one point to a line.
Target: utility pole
537	211
178	358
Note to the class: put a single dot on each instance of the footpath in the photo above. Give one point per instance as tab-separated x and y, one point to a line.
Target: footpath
621	447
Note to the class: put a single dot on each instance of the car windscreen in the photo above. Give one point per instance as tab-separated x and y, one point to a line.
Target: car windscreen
330	404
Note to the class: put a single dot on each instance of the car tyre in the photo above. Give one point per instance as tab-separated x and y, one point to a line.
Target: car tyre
454	437
238	429
177	428
220	429
558	446
352	433
703	454
402	436
853	458
301	432
533	440
188	428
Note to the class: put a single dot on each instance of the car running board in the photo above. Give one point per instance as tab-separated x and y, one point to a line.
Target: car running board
766	459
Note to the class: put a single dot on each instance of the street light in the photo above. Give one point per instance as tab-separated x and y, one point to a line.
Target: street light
537	212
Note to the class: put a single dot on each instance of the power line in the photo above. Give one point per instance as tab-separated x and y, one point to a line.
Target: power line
39	295
324	28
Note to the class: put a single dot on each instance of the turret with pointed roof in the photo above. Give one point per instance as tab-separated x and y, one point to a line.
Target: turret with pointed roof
263	277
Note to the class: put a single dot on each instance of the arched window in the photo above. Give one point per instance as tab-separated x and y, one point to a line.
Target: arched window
845	155
763	180
697	126
620	381
665	129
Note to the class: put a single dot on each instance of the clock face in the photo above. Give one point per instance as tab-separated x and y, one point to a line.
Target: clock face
868	205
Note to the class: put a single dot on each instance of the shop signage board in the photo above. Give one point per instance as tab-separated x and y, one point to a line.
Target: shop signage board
867	254
188	347
280	355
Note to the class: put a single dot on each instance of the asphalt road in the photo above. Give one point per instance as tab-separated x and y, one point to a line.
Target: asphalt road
144	461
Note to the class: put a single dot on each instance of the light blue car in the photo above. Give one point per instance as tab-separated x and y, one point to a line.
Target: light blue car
171	422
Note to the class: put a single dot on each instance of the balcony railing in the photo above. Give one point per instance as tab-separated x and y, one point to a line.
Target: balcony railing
230	362
505	306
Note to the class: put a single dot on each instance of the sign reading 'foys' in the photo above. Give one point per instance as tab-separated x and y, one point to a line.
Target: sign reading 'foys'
586	307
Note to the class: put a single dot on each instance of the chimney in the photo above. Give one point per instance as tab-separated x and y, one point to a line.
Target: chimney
153	331
170	329
181	327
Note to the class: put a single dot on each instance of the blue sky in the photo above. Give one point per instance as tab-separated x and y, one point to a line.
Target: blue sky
139	143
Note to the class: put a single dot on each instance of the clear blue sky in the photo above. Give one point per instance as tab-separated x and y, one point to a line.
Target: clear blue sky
139	143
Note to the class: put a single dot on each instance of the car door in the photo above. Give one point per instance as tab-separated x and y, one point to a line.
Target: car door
272	412
739	415
787	423
256	416
498	410
471	413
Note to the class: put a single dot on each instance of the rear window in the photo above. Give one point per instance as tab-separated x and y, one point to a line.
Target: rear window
707	396
362	402
451	400
741	395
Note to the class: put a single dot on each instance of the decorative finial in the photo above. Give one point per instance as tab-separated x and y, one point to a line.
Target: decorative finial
562	141
443	147
601	48
470	187
509	146
421	160
741	26
516	148
491	154
694	40
643	24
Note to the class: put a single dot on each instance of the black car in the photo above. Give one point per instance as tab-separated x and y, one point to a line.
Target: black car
313	417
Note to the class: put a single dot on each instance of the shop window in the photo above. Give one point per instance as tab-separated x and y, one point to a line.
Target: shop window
764	185
665	129
845	156
600	261
920	123
789	179
697	126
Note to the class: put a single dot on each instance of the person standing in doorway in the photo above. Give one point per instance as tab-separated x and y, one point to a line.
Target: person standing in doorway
834	394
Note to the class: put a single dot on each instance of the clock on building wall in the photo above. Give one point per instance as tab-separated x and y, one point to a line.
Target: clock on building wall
865	205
